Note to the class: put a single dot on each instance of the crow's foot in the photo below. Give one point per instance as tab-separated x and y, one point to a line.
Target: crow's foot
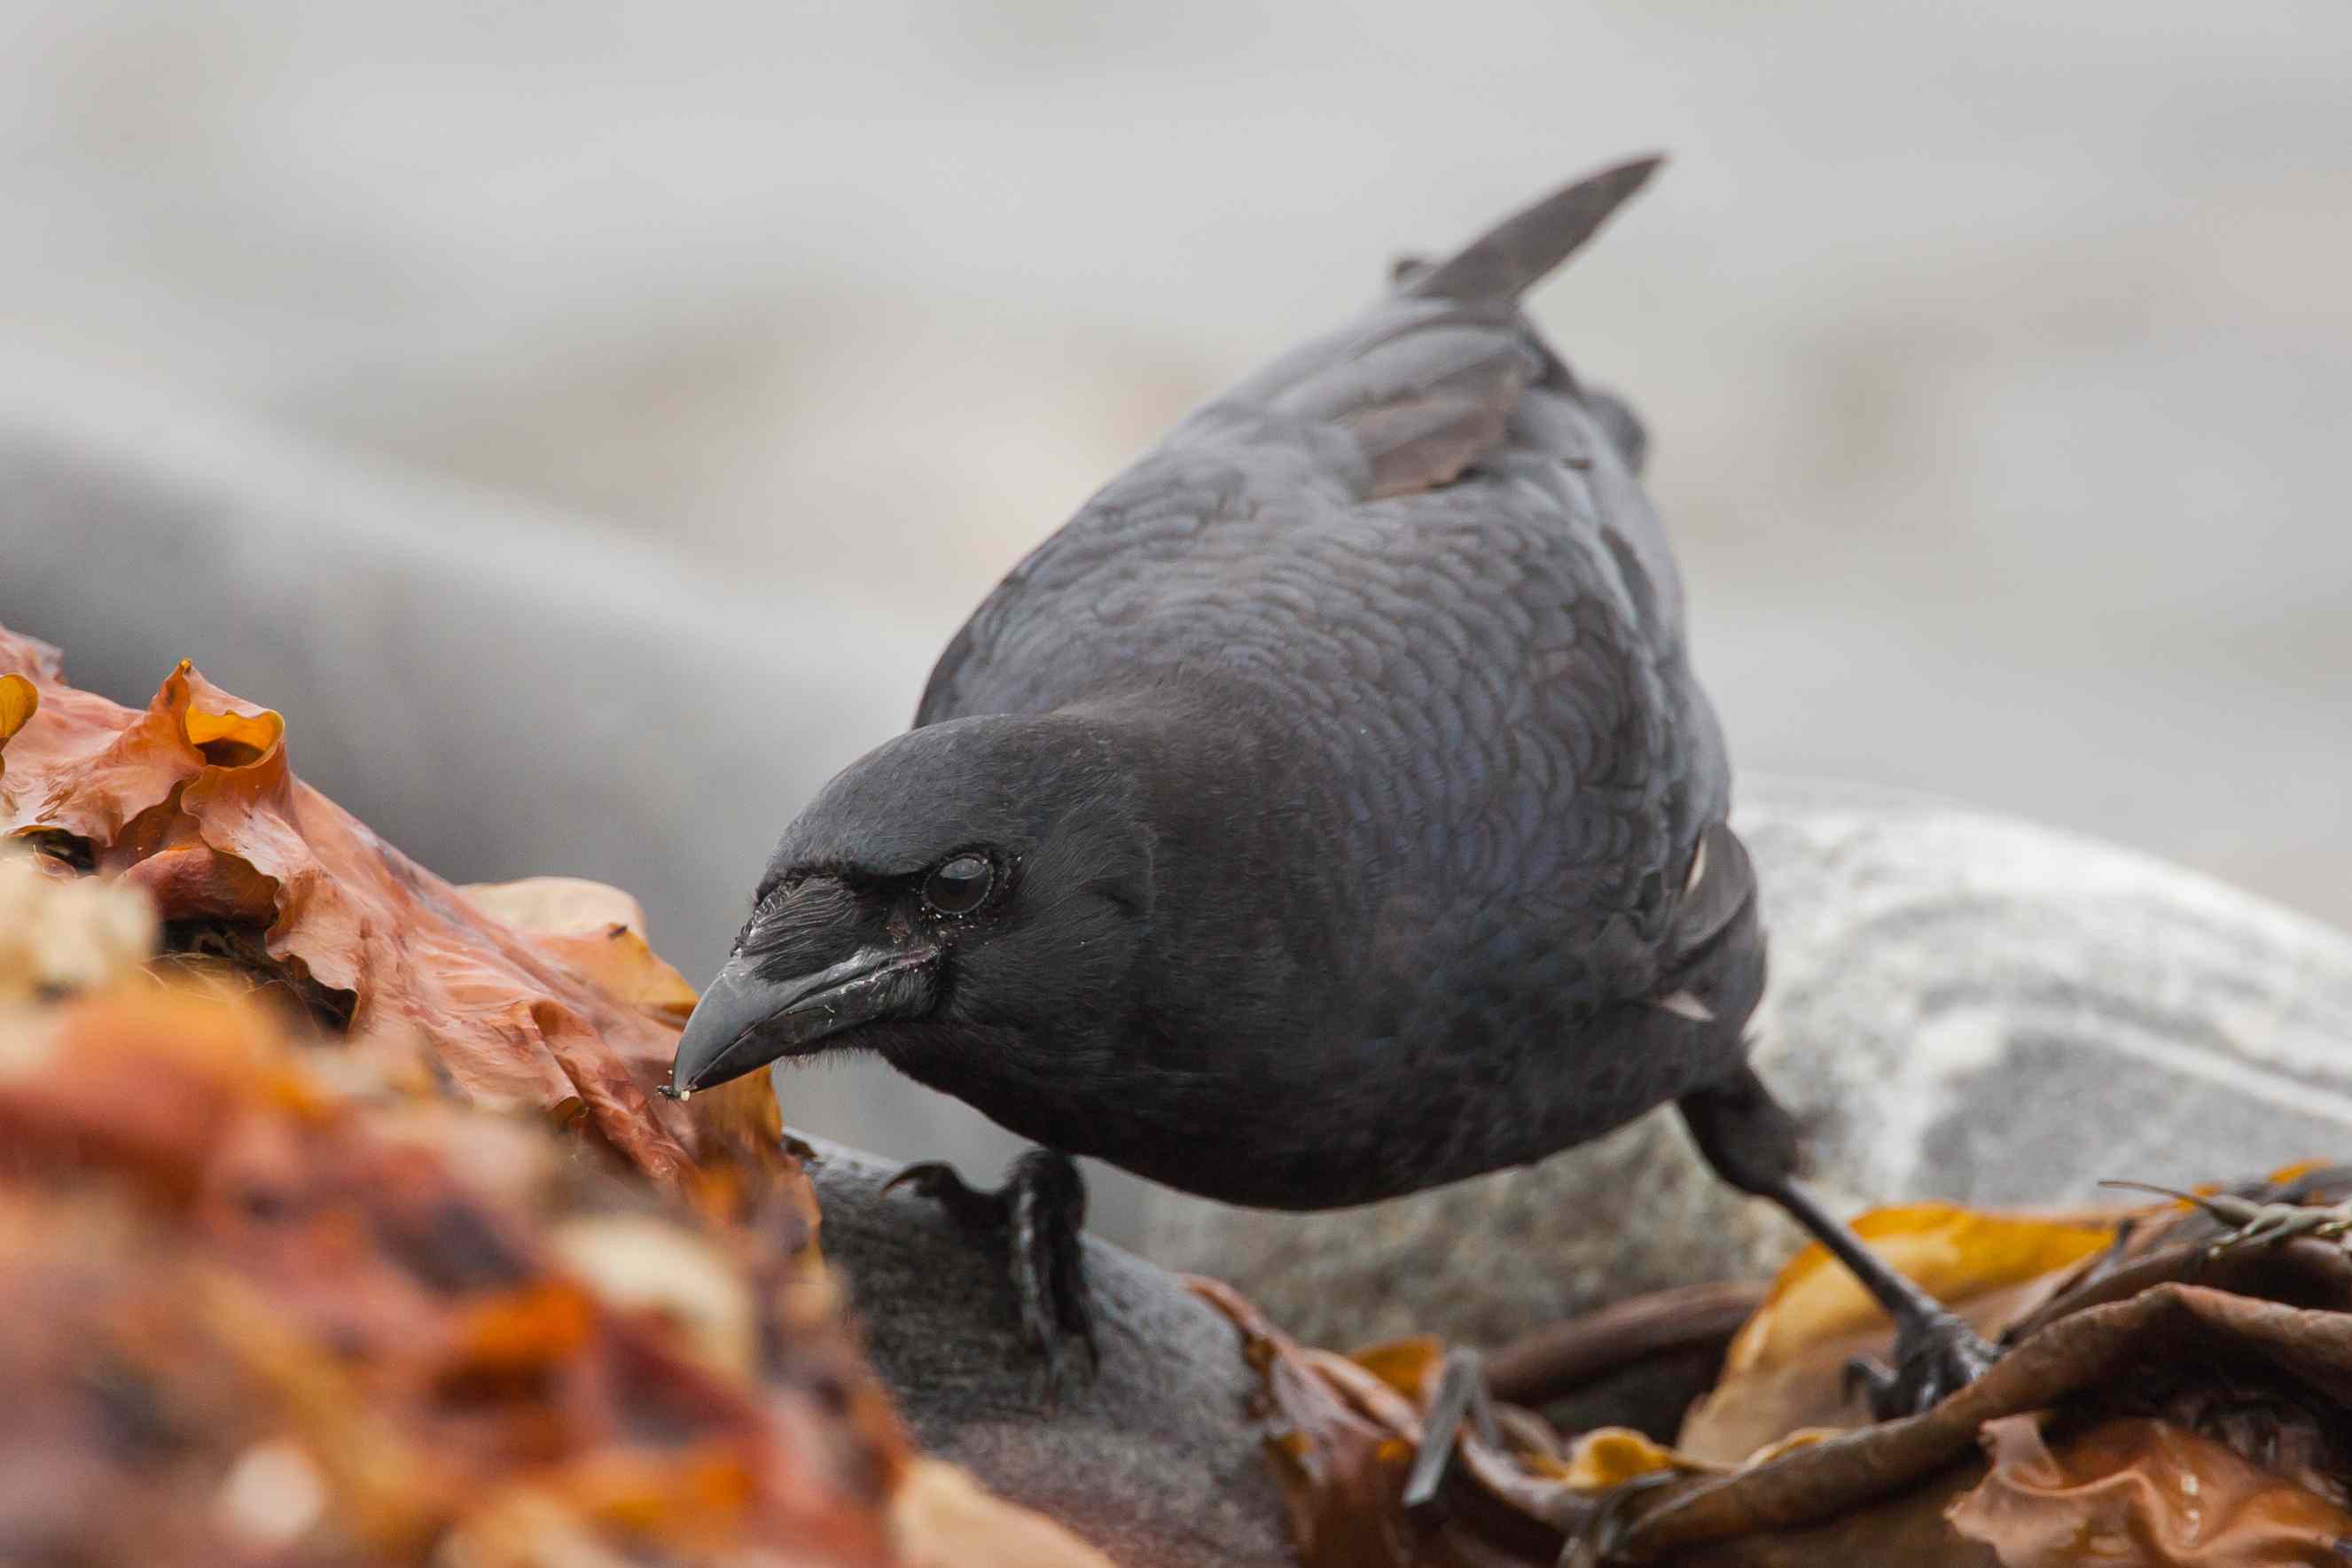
1936	1356
1036	1217
1935	1353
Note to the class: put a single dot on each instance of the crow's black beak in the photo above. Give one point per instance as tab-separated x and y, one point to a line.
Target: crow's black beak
745	1020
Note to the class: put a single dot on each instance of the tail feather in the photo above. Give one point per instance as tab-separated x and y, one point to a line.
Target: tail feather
1509	258
1425	383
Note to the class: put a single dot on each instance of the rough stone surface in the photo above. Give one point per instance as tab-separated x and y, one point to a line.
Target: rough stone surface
1965	1006
1157	1461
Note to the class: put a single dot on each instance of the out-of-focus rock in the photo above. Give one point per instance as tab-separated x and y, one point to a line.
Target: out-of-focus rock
1966	1006
1159	1460
497	687
592	706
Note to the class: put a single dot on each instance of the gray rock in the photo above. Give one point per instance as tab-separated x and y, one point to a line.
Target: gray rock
1966	1006
1157	1461
500	689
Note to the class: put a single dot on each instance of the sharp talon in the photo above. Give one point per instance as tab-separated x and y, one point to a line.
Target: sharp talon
1866	1376
1936	1356
982	1212
923	1177
1036	1217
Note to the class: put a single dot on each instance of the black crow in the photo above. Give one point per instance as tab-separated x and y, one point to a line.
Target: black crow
1325	812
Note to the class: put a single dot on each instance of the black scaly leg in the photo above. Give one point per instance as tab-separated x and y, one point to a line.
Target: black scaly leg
1753	1144
1037	1215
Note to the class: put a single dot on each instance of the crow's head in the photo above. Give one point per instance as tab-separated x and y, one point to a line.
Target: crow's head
974	884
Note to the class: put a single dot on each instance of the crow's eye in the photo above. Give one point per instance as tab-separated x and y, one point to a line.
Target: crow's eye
960	886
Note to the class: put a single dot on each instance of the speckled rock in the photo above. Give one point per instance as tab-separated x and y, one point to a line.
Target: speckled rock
1963	1006
1157	1461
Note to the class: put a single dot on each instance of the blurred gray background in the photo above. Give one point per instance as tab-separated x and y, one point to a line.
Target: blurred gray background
629	359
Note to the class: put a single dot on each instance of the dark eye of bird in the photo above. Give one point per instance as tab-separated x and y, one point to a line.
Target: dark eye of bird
960	886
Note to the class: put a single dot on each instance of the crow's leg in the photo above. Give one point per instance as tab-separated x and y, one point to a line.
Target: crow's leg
1461	1391
1036	1217
1754	1144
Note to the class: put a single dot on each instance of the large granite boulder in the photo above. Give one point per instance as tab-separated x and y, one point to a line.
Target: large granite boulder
1966	1006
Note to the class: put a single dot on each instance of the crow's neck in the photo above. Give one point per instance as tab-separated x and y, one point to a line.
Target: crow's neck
1253	891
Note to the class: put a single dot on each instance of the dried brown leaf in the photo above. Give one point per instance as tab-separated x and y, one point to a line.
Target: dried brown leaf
1767	1475
1342	1436
213	1267
2139	1492
192	800
595	931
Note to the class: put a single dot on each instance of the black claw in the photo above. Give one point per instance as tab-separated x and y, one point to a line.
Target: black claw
1936	1356
967	1206
1868	1376
1037	1215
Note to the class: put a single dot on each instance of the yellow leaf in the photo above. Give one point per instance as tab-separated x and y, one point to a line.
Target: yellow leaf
233	740
1611	1456
1408	1366
1952	1253
1802	1438
19	701
596	931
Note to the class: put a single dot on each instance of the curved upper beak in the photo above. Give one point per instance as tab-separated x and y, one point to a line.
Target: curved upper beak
746	1020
